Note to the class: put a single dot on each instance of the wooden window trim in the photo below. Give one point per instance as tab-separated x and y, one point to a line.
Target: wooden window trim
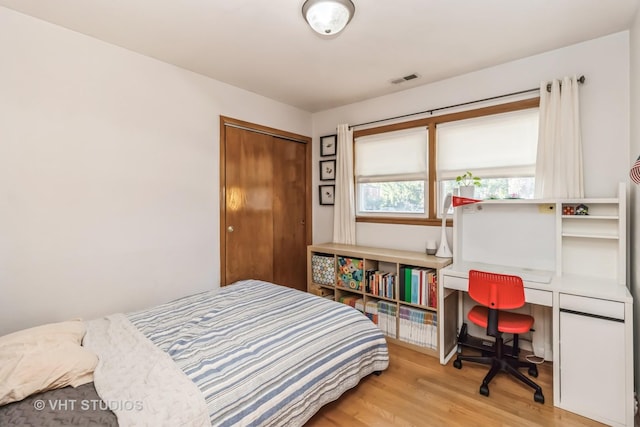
431	123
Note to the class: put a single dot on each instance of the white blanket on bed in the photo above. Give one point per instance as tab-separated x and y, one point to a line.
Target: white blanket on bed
141	383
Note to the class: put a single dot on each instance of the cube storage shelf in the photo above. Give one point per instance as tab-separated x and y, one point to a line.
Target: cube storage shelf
385	285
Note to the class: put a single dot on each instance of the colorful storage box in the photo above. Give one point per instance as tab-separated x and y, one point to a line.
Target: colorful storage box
323	269
350	273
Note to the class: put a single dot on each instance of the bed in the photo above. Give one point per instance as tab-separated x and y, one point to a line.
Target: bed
252	353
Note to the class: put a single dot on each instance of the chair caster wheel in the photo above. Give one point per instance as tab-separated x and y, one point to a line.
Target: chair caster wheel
484	390
538	397
533	371
457	364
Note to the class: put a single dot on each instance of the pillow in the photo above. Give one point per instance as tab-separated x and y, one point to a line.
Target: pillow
44	358
72	330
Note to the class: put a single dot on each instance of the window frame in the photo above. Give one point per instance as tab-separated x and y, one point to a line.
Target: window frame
403	142
431	184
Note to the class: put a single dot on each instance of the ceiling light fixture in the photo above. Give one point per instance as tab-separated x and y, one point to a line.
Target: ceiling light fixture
328	17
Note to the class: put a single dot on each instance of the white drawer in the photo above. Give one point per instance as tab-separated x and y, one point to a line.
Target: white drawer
537	296
457	283
599	307
533	296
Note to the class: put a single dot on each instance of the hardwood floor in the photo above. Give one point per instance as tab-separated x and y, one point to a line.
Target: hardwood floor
417	391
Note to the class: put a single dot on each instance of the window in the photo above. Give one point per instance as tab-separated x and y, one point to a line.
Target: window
500	148
391	173
402	171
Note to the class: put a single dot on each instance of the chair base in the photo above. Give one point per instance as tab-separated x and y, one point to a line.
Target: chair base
500	361
482	345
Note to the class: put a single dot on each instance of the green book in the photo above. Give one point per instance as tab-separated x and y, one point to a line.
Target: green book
407	284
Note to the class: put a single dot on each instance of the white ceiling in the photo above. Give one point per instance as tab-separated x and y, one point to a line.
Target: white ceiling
266	46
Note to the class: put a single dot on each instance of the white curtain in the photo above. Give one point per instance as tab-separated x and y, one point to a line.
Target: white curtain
559	171
344	212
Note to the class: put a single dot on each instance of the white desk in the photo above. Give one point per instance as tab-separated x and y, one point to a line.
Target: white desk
574	264
593	318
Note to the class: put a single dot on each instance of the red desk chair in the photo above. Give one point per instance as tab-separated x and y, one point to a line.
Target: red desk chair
495	293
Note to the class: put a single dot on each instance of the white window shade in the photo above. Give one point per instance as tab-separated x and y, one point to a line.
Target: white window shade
392	156
497	146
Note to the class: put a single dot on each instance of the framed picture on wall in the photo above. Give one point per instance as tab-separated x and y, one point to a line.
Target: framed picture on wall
328	145
327	194
327	170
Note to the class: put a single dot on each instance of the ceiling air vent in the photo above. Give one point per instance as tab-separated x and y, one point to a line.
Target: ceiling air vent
405	79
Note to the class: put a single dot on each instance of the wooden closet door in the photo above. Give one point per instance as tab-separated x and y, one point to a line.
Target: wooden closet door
289	214
249	201
265	217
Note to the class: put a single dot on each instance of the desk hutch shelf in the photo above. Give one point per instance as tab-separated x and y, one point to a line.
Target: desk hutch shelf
374	281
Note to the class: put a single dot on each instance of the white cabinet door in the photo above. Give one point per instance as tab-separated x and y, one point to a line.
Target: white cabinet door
592	370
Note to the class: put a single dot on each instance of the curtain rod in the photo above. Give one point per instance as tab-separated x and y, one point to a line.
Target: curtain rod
581	79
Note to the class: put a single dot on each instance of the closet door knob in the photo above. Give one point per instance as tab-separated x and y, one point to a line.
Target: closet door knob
230	229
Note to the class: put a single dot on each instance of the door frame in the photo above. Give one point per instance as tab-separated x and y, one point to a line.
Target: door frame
306	140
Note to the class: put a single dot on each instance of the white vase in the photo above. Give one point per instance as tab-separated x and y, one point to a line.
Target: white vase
467	191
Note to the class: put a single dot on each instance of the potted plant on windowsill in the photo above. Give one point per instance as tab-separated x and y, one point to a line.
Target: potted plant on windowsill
467	183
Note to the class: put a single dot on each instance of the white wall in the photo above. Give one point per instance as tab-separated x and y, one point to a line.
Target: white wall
604	111
635	190
109	182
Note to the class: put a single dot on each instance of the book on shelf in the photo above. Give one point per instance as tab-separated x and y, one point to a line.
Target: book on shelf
371	311
415	286
407	284
353	301
380	283
418	327
433	289
387	315
418	285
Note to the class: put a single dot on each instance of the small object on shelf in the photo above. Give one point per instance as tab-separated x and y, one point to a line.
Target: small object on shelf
582	210
320	291
568	210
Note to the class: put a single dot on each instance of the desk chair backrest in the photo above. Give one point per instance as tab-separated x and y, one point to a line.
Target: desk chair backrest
497	292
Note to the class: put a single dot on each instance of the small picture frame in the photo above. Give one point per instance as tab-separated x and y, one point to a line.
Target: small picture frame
327	194
327	170
328	145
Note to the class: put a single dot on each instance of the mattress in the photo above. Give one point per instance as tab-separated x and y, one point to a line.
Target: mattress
64	407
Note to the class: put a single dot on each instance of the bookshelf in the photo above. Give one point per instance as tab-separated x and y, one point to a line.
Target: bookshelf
396	289
594	245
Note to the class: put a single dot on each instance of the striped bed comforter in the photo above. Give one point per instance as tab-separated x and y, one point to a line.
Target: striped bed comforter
263	354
